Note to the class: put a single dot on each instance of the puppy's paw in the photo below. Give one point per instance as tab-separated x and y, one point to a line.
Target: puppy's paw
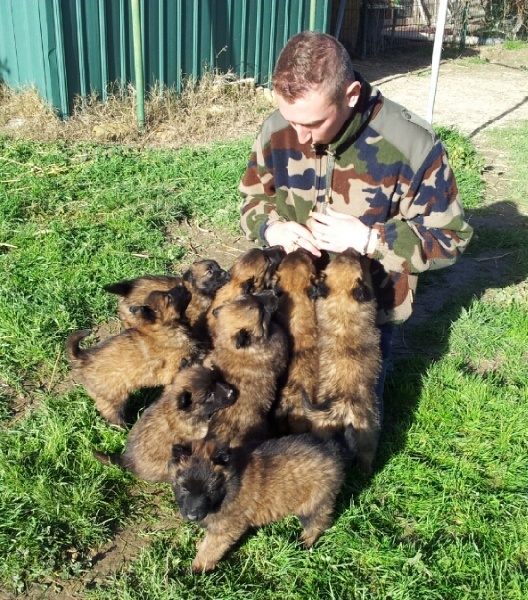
200	566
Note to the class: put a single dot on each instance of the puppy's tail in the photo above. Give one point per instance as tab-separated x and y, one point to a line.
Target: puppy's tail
311	407
346	440
121	288
72	344
342	438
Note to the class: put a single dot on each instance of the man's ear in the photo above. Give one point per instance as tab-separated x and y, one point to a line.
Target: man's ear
352	93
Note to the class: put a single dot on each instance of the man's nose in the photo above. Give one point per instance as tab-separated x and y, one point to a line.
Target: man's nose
303	133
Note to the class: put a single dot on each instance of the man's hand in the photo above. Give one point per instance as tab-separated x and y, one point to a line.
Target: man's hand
291	235
336	232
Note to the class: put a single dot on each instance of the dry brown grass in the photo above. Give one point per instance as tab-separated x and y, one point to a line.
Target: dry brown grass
215	107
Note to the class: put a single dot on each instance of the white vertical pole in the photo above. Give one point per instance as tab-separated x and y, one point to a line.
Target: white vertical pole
437	55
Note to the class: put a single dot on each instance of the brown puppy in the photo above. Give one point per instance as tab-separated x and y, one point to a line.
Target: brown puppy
147	355
179	416
203	279
295	282
349	355
230	490
250	273
250	352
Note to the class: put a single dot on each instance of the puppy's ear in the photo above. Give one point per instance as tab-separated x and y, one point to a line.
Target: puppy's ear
143	312
361	293
313	289
184	400
365	263
248	286
180	452
322	289
221	456
224	394
188	276
243	339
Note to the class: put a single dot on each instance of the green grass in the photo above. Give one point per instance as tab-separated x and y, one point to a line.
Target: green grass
444	516
55	498
515	45
467	165
474	60
73	218
514	142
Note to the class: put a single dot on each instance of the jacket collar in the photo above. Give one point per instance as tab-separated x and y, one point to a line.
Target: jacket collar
370	100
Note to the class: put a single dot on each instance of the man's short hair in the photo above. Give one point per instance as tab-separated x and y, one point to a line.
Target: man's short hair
311	60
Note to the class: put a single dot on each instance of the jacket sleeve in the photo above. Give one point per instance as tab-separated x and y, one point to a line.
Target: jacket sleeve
257	189
429	231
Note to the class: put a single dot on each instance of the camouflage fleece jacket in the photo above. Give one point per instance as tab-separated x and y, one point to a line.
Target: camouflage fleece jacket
388	168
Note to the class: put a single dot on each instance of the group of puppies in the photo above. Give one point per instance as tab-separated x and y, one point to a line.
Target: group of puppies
268	374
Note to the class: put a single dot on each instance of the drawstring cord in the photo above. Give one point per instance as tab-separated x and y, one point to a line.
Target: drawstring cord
330	162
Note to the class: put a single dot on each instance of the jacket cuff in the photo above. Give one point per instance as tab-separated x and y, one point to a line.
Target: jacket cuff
264	227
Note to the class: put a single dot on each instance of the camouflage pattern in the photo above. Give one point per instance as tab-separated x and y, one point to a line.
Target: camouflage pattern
388	168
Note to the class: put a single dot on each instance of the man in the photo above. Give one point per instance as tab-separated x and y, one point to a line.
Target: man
339	166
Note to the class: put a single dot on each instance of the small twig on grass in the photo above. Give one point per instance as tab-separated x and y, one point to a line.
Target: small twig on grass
237	250
6	245
50	384
32	166
186	221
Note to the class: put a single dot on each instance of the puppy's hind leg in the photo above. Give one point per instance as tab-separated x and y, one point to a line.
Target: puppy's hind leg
112	413
315	523
367	444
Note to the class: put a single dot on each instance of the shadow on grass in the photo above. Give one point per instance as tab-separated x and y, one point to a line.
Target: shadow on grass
496	258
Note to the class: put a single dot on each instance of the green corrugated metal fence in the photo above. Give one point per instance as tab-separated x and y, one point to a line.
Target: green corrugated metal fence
73	47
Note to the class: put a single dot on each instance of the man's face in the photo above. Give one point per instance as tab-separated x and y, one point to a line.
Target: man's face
315	117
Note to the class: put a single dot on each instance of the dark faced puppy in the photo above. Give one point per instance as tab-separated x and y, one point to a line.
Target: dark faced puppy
250	352
230	490
133	292
349	355
203	279
181	415
295	281
147	355
250	273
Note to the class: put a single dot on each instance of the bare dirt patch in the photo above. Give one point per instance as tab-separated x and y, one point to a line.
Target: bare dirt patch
474	92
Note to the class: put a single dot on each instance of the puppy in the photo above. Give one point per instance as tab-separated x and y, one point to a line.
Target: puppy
250	273
179	416
230	490
250	353
349	355
203	279
295	282
147	355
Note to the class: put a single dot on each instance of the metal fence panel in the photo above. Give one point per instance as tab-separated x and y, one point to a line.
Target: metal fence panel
371	27
75	47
